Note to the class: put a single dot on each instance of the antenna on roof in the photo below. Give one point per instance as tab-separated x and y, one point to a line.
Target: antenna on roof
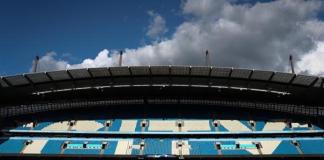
120	58
291	64
207	60
35	64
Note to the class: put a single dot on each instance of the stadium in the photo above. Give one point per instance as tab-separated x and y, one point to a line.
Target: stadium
178	112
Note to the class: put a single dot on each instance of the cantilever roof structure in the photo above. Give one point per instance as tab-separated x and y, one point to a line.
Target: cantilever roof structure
276	81
302	90
161	111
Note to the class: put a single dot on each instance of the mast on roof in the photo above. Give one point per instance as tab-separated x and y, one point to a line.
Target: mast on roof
35	64
120	59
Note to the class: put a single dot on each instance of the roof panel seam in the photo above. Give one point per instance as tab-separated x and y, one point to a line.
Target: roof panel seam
110	72
28	79
72	78
70	75
91	75
269	81
249	78
51	79
150	71
209	72
313	83
229	78
130	71
292	79
1	79
6	81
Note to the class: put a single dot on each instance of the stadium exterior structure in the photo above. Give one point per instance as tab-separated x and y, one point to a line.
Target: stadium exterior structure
161	112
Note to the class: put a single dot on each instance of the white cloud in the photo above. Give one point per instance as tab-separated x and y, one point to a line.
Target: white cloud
157	25
205	8
313	62
50	63
259	36
101	60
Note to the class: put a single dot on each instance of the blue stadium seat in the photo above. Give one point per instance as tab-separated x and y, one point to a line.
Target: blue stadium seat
11	145
111	147
259	125
202	148
312	146
222	128
136	141
157	146
138	127
42	125
316	127
300	128
211	126
103	122
116	123
53	147
246	123
39	126
22	128
286	147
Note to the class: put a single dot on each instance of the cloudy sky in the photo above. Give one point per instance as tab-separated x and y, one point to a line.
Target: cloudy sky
255	34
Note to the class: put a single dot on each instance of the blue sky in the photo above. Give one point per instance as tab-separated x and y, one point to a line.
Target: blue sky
77	30
80	28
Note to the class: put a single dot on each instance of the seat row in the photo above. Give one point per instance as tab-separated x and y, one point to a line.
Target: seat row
168	125
152	146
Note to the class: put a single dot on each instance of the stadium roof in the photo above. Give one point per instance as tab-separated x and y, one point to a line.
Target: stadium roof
174	84
183	75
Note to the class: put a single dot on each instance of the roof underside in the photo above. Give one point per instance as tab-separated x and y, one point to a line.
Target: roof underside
161	75
167	82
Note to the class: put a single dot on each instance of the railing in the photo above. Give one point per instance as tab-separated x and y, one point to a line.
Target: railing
307	110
